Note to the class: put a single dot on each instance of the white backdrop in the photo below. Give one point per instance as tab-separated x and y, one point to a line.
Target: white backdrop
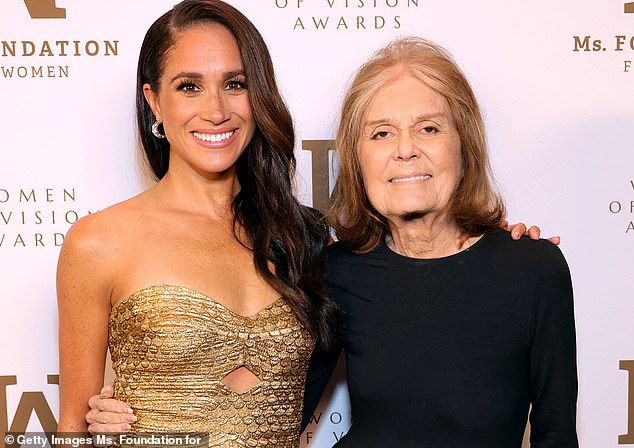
555	80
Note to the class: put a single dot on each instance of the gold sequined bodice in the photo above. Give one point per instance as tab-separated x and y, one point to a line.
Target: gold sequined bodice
172	346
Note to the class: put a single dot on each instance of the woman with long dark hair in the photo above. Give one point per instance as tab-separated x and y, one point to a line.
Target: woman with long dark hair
208	287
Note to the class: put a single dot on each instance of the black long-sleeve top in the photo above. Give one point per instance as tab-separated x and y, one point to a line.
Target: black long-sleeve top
451	352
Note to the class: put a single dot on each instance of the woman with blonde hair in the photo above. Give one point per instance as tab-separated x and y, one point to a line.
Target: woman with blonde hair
445	347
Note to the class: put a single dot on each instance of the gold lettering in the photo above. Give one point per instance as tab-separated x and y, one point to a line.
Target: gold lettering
31	48
44	9
4	412
62	44
582	45
320	151
30	402
18	239
319	23
626	439
112	50
73	217
299	23
46	48
69	195
615	207
8	47
95	45
27	198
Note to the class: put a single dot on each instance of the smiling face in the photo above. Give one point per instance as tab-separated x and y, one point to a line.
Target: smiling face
203	102
409	153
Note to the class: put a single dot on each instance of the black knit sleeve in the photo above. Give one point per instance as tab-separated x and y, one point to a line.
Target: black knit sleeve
321	366
552	358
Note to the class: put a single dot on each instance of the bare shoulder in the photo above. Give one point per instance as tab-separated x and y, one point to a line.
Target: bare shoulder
95	244
101	232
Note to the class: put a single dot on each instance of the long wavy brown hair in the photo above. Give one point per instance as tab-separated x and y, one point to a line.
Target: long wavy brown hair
475	206
278	228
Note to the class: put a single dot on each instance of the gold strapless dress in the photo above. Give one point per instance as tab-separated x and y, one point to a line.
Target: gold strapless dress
171	347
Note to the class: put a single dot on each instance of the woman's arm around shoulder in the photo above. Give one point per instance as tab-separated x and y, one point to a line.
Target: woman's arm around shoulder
84	274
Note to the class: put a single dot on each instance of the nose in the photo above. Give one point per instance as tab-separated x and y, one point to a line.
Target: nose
406	147
216	110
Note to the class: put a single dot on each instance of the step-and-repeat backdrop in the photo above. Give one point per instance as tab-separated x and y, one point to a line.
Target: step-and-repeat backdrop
555	79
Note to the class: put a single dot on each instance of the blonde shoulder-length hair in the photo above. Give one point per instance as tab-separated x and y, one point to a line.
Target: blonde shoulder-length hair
475	206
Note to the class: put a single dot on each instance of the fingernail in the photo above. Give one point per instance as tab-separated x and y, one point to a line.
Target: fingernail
130	411
129	427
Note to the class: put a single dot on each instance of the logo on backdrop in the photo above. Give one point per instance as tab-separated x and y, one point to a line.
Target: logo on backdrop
320	151
336	421
48	58
625	207
44	9
345	15
619	45
30	402
36	218
628	439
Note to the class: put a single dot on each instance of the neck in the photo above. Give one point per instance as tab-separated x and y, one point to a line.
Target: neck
200	195
428	237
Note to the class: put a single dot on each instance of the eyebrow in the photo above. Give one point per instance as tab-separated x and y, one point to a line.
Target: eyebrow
419	118
194	75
